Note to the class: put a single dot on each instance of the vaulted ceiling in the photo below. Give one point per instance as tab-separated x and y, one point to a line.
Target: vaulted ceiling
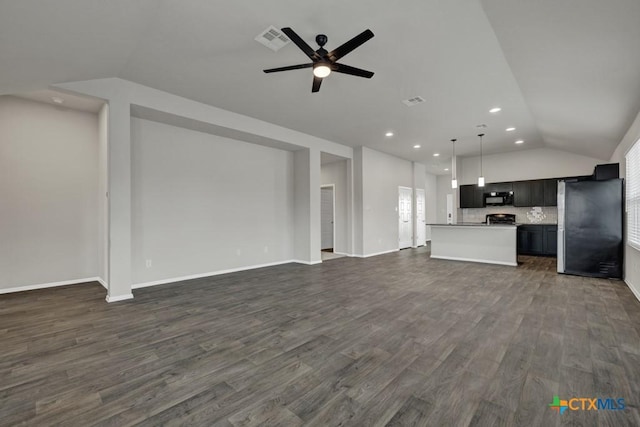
565	73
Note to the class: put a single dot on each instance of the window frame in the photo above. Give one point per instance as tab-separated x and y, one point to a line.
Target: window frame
632	195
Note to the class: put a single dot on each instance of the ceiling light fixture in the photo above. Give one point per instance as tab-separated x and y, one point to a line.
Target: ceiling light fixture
454	181
417	146
321	70
436	154
446	169
495	110
57	100
519	141
481	178
510	129
388	133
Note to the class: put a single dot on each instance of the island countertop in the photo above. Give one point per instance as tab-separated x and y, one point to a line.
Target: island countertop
473	224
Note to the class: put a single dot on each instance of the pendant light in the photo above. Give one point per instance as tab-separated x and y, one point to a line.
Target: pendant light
454	181
481	177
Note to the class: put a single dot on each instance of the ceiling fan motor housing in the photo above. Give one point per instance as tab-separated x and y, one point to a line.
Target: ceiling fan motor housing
321	39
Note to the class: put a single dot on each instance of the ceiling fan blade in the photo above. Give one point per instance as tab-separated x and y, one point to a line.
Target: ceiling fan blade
346	69
300	43
317	81
290	67
347	47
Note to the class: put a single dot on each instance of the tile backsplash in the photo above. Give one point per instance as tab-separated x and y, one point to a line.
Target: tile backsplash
523	215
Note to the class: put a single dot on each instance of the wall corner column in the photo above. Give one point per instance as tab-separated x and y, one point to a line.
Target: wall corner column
306	172
119	167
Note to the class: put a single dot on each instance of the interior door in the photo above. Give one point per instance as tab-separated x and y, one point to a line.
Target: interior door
326	217
405	234
421	226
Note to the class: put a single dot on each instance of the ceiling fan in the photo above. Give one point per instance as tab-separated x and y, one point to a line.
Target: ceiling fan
323	62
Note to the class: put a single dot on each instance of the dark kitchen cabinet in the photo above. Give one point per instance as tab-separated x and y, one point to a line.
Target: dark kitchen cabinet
550	192
471	196
499	187
530	240
550	240
537	192
521	193
538	239
528	193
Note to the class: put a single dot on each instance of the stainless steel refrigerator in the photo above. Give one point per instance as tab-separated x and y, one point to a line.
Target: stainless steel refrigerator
590	228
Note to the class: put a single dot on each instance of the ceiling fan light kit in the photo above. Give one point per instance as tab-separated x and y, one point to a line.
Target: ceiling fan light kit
321	70
323	62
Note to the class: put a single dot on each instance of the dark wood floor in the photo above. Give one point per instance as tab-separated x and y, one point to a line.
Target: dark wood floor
396	339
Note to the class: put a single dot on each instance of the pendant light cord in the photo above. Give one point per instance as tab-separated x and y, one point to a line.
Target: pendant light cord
453	158
481	135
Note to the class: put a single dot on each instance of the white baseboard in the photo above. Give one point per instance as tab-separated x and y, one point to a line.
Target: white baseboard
102	282
306	262
635	291
342	253
119	297
211	273
50	285
484	261
376	253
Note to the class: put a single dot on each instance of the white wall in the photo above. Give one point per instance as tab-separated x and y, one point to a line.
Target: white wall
103	189
382	174
126	98
431	201
443	183
419	182
631	254
522	165
203	203
358	194
48	194
336	173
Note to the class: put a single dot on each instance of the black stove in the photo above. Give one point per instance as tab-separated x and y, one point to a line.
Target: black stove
500	218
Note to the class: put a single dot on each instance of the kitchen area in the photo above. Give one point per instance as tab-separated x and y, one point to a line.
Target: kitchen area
576	219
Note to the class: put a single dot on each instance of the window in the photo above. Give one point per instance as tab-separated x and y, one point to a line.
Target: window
633	195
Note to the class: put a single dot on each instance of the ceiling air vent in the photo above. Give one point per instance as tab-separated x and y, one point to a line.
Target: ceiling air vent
272	38
413	101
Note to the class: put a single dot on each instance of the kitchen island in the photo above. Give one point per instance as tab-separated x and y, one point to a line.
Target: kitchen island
491	244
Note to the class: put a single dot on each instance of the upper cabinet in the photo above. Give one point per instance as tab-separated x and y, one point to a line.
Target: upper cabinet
471	196
498	187
551	192
534	193
541	192
538	192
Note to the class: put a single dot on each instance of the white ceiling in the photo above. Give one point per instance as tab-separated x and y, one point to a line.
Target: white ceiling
566	73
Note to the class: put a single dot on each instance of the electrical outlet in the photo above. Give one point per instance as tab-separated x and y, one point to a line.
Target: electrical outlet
149	263
266	249
238	252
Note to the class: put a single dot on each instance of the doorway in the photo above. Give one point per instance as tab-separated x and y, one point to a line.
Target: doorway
327	218
405	222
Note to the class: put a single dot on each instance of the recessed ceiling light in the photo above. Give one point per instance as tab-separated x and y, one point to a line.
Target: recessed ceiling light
519	141
57	99
510	129
436	154
495	110
417	146
446	169
388	134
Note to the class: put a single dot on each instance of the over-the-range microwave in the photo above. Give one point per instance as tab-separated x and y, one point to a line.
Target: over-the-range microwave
498	198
